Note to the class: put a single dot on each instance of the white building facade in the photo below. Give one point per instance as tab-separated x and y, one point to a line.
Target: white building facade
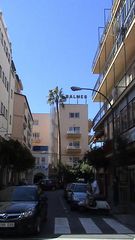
7	82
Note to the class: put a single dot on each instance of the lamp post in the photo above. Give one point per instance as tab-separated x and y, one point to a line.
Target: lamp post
74	88
93	90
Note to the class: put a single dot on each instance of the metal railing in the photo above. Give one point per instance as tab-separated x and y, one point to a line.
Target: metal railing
118	91
101	40
125	26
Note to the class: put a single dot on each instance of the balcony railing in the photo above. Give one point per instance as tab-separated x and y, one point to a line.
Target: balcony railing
117	92
101	40
73	134
108	62
123	29
74	149
36	140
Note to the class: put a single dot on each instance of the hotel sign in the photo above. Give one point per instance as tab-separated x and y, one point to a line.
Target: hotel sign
76	96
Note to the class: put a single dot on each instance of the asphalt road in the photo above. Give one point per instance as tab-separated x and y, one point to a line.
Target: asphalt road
61	220
64	224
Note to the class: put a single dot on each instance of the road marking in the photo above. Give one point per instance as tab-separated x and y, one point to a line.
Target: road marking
118	227
61	226
89	225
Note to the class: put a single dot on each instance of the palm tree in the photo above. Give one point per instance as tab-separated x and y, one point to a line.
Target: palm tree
57	98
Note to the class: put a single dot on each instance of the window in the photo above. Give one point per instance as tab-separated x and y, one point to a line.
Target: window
6	114
11	93
36	135
124	119
74	160
74	129
40	148
3	77
77	115
10	119
4	46
75	144
35	122
74	115
7	86
5	82
2	38
1	108
71	115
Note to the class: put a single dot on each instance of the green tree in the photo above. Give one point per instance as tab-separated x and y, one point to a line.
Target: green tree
86	170
13	153
96	158
57	98
69	174
24	159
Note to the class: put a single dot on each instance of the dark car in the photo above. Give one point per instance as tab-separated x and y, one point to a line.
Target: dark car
48	184
22	208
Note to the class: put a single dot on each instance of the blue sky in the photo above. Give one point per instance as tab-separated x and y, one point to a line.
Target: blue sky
54	43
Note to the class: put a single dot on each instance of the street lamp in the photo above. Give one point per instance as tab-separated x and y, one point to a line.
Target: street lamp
74	88
91	89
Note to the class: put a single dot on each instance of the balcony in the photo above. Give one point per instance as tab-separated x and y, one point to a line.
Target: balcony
101	47
117	92
101	78
34	141
73	134
126	33
73	149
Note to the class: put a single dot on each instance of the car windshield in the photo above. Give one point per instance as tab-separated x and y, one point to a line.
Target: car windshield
19	193
80	188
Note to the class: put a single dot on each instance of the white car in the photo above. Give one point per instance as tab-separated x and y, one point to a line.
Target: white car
78	193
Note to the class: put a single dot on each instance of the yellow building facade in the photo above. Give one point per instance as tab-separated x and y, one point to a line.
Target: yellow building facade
74	133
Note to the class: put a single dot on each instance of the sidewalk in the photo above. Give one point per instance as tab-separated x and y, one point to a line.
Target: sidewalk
127	219
124	216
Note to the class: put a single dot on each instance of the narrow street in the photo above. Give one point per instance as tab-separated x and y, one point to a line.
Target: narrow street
61	220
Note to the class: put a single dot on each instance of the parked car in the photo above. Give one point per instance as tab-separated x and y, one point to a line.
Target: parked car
22	208
48	184
78	193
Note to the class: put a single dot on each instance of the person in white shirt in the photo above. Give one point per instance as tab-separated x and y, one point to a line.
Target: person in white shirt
95	187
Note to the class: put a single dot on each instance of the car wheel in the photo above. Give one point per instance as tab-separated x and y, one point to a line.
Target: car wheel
37	226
